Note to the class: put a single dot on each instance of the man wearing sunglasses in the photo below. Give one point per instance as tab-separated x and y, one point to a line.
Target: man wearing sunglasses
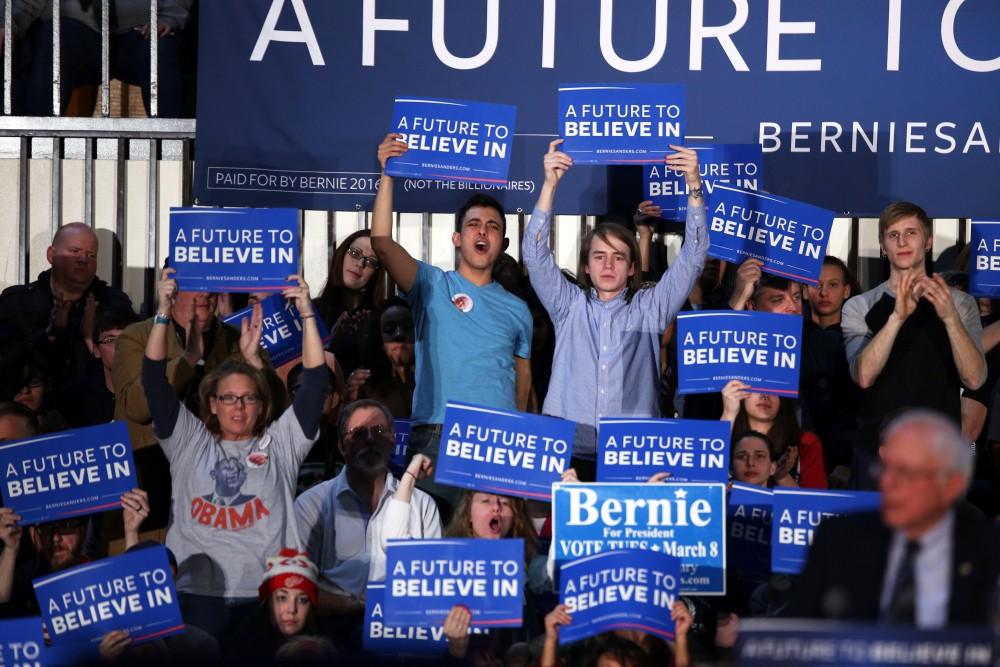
473	337
346	521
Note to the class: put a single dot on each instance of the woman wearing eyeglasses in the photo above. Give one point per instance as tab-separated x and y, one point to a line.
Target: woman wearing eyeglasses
356	284
233	470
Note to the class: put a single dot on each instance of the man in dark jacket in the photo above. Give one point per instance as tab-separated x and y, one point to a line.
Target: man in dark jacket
55	314
927	559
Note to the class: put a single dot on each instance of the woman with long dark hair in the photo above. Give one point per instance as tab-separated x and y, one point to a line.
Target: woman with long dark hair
799	453
356	284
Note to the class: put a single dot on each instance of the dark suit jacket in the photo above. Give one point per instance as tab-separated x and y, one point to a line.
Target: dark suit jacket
845	571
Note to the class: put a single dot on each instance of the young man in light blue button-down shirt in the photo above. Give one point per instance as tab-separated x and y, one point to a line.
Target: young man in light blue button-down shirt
607	357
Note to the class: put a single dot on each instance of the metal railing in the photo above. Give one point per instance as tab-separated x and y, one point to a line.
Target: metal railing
166	146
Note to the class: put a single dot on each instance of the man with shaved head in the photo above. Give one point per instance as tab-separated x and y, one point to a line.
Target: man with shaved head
927	558
55	312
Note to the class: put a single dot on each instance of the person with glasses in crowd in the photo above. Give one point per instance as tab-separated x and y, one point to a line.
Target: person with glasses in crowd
356	284
928	558
87	400
346	521
233	470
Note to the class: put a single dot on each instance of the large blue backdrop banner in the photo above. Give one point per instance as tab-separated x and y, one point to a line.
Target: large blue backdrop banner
854	103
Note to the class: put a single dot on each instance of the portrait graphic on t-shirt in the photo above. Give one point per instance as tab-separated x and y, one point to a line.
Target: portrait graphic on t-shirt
227	506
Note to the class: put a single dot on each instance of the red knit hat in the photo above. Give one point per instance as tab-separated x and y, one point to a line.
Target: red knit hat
291	568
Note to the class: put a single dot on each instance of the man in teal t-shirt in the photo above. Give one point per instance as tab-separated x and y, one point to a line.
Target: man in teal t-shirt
473	337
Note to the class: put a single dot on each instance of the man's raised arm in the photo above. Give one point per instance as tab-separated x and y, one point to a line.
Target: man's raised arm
400	265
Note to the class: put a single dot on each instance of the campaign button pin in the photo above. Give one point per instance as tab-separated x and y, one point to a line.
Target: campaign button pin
462	301
256	459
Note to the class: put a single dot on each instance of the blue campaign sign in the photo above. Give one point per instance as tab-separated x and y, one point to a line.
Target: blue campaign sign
426	578
685	520
620	124
308	76
397	463
797	514
400	640
500	451
22	643
739	165
984	265
382	639
788	236
67	474
132	592
234	250
282	328
619	590
454	140
761	349
691	450
749	519
765	642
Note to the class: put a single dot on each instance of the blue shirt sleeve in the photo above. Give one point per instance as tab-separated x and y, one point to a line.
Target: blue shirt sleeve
553	290
662	302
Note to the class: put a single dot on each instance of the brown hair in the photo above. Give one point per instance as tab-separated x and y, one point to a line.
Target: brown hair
898	210
785	431
372	294
606	231
461	522
210	385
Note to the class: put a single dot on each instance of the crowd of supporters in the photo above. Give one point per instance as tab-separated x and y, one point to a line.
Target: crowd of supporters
271	487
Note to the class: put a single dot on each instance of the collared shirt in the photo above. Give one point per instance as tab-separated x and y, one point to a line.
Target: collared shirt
607	356
932	569
346	542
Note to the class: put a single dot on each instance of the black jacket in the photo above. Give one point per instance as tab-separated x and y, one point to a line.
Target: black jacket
26	310
844	574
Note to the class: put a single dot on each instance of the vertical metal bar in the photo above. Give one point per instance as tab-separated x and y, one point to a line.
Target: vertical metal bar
154	49
8	53
90	145
962	236
520	235
187	172
331	235
24	172
152	223
56	212
105	59
121	185
56	58
425	239
852	252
